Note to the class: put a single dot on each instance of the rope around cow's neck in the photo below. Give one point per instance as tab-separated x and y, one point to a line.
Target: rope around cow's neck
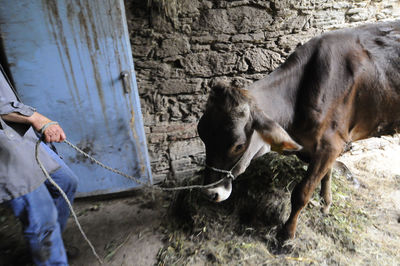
228	173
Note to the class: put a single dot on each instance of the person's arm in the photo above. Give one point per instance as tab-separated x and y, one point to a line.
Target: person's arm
53	133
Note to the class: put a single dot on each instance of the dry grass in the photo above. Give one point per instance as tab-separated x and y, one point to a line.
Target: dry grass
362	227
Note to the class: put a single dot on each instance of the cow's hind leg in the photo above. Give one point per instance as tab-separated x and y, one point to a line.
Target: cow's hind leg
326	193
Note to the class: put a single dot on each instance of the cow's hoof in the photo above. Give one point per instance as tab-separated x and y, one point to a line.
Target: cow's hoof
283	235
325	209
279	241
283	249
283	245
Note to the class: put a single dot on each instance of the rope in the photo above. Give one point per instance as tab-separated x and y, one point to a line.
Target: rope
119	173
138	180
228	173
41	131
66	199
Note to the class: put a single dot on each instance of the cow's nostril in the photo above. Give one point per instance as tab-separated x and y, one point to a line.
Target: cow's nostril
214	197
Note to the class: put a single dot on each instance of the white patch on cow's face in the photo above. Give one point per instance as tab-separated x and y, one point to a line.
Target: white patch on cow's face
220	193
257	147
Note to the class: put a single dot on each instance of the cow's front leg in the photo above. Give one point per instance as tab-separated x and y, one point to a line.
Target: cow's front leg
318	168
326	193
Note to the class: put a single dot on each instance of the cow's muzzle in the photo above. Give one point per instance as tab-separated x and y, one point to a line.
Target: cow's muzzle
221	192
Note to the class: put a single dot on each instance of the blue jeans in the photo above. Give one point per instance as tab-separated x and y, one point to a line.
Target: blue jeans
44	213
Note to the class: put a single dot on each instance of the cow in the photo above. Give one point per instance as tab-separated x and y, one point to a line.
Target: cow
339	87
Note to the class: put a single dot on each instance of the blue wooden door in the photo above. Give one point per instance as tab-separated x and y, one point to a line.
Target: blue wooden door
67	58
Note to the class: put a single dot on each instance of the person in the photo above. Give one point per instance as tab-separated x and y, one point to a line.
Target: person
24	188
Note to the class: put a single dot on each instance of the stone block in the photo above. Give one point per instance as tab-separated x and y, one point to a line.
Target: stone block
210	39
180	165
178	45
291	41
200	48
241	38
163	70
141	50
148	119
242	65
215	20
210	64
260	60
237	3
182	149
156	138
202	39
247	19
189	7
258	37
241	82
188	173
252	37
357	14
178	86
159	176
175	112
171	127
188	132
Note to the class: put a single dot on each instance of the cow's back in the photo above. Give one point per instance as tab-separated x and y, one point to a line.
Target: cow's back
350	84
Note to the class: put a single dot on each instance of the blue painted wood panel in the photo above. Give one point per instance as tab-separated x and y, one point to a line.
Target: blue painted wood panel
66	58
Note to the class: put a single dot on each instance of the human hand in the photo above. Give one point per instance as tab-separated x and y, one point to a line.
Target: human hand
51	130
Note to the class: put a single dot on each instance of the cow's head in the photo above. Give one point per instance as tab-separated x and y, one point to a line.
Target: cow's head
235	131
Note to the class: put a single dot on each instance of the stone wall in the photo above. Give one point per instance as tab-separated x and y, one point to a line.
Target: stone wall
179	55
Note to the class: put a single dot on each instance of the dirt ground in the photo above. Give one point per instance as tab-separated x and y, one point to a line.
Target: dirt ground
159	228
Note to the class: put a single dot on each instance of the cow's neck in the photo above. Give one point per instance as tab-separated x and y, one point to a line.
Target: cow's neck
276	94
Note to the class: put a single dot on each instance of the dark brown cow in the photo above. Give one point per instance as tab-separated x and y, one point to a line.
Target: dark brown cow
339	87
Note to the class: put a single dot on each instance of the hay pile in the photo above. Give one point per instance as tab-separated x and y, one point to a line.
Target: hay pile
200	231
242	230
260	197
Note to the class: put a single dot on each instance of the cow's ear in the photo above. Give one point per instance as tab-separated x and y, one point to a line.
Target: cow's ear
273	134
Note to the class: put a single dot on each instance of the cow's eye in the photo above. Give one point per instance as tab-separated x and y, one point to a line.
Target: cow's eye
238	148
